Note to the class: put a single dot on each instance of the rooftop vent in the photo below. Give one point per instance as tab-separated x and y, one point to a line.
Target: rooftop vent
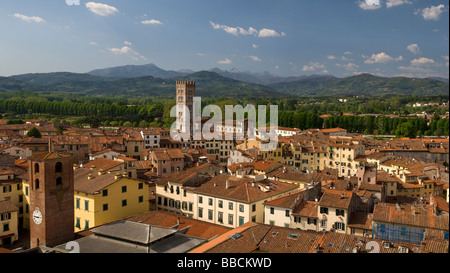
236	236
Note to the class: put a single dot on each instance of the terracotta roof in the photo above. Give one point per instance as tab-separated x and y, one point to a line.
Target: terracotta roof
288	200
7	206
192	227
47	156
82	183
243	189
360	219
424	217
264	165
103	164
223	243
336	199
307	209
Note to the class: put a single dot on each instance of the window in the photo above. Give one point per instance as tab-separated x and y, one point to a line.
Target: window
339	226
241	208
253	207
286	213
210	201
124	189
58	183
77	222
230	219
323	223
86	205
272	210
210	214
105	207
36	168
200	212
339	212
230	205
200	200
105	192
323	210
220	204
136	149
58	167
86	224
77	203
36	185
220	217
124	203
140	186
141	199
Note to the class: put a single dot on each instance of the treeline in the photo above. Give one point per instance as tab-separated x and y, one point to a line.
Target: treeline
300	120
382	125
102	111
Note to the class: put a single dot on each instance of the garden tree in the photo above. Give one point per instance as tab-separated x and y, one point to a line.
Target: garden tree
15	121
60	129
405	129
34	132
127	124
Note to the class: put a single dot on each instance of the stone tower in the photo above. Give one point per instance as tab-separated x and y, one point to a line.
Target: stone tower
51	182
185	92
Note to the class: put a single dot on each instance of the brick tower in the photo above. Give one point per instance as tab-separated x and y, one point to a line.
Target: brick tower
185	92
51	182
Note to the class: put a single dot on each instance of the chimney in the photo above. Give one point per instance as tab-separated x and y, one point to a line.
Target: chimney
90	176
227	184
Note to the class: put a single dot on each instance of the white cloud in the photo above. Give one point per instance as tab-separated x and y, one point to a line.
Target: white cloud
414	48
369	4
269	33
393	3
101	9
254	58
422	61
29	19
255	46
127	43
226	61
123	50
382	58
432	13
313	66
277	67
151	22
201	54
348	53
445	58
263	33
93	44
331	57
126	50
349	66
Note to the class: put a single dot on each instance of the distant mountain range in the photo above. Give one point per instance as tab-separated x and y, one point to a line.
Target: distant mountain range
150	80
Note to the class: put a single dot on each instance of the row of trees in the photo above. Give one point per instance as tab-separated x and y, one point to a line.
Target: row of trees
399	126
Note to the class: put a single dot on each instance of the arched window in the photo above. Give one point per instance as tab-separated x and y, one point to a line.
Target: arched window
36	184
58	167
36	168
59	183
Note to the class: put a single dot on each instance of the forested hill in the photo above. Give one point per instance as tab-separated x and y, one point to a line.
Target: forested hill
211	84
363	84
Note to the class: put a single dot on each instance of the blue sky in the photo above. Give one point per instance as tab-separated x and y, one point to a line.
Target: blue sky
284	37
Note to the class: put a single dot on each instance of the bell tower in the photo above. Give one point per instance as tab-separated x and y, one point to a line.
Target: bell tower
185	93
51	182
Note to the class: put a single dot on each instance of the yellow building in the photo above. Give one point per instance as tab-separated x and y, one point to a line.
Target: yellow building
104	197
8	223
11	188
